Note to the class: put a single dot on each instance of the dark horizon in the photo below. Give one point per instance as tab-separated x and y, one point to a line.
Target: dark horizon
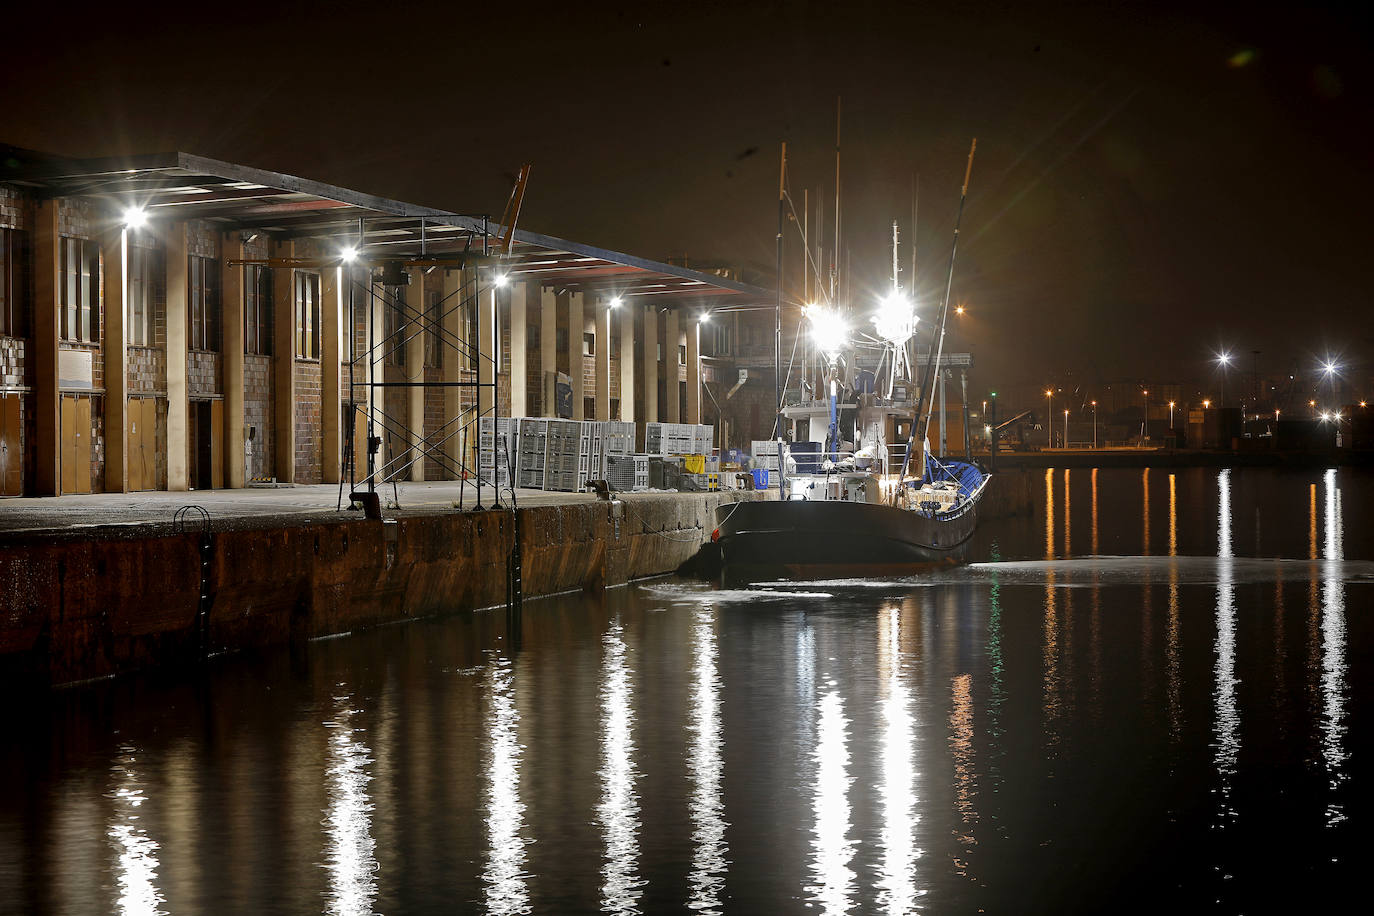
1150	187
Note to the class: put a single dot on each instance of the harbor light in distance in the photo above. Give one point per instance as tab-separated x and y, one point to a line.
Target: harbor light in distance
958	310
1206	404
135	218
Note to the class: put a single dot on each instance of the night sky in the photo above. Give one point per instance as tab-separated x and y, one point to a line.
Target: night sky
1150	186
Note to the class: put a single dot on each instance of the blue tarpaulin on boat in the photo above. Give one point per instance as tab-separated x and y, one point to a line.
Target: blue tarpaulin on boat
968	476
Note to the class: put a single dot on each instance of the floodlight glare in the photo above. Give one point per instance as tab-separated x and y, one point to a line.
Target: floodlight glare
135	218
828	330
705	318
500	280
348	254
616	301
895	321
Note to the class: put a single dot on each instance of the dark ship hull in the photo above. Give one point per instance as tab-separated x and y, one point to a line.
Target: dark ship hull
810	539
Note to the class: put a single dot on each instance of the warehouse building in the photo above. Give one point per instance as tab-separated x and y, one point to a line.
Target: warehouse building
174	322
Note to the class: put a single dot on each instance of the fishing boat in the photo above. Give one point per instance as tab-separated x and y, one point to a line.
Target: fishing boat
868	504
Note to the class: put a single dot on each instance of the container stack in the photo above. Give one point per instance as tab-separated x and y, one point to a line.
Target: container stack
532	445
497	440
562	454
628	472
765	452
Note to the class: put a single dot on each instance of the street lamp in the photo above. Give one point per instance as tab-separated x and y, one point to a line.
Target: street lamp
1206	404
1171	415
1145	399
1066	427
1094	424
1049	412
1224	361
1330	369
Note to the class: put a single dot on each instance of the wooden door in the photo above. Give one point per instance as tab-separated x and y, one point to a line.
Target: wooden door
68	450
134	413
11	447
142	443
83	445
217	444
359	421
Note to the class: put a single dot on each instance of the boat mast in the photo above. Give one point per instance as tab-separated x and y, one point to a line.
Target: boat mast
921	422
777	320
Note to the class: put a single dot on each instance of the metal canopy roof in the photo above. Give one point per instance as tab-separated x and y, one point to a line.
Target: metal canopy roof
183	186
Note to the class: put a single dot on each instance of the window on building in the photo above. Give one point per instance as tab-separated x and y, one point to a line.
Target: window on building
588	344
434	349
307	315
560	339
682	355
723	339
394	327
80	305
203	307
257	310
14	292
138	307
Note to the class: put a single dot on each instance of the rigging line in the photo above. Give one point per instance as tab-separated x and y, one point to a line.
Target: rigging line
792	359
806	243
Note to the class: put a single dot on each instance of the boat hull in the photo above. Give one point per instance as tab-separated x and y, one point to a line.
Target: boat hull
822	538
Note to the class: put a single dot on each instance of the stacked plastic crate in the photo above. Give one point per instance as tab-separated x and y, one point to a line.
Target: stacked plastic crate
765	452
532	444
628	472
497	440
561	453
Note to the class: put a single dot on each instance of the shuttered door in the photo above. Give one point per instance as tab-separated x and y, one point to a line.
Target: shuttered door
83	445
68	451
217	444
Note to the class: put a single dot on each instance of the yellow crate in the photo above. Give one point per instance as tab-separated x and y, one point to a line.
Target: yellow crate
694	464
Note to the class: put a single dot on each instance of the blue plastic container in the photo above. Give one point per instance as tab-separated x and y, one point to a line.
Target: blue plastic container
760	478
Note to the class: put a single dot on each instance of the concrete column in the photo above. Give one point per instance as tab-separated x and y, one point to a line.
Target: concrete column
487	357
548	348
694	372
627	363
519	340
284	365
576	328
651	347
47	289
670	367
178	405
115	253
333	290
603	358
232	290
414	337
456	359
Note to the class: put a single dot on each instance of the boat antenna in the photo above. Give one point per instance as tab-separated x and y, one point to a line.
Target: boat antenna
835	270
921	422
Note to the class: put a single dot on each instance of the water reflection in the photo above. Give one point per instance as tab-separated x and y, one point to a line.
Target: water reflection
1227	738
1173	663
1051	624
349	847
961	750
1333	650
1145	512
1068	518
897	888
619	807
506	890
707	808
831	847
136	862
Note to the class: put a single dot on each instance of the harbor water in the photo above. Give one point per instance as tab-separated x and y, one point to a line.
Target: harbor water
1155	691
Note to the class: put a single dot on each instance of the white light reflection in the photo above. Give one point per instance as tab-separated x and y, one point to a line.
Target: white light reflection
136	870
504	875
619	808
1227	743
349	846
831	847
897	889
961	750
704	761
1333	649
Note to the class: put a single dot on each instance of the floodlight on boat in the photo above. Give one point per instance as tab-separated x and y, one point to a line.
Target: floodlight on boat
135	218
896	319
828	330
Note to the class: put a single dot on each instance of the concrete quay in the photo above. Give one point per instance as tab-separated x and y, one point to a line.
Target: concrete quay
94	586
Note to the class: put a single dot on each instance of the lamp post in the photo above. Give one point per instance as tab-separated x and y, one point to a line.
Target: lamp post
1223	360
1330	369
1145	399
1049	412
1066	427
1094	424
1171	415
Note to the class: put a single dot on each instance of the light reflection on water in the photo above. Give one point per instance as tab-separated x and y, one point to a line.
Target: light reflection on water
136	852
943	743
1333	653
506	891
897	884
350	850
707	809
618	811
832	848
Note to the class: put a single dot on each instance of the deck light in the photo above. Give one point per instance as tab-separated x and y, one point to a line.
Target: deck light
135	218
895	321
828	330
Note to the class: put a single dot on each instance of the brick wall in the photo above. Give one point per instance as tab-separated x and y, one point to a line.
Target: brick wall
309	422
257	413
434	421
203	373
15	369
